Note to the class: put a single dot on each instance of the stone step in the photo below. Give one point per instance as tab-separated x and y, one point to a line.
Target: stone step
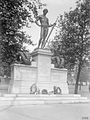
68	101
25	99
19	102
35	97
27	102
40	95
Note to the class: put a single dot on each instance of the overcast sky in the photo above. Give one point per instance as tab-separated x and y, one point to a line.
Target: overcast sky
55	7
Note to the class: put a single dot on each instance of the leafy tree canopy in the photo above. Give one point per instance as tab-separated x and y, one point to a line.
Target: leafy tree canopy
14	14
72	42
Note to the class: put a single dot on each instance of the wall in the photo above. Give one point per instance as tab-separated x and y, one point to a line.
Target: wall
22	77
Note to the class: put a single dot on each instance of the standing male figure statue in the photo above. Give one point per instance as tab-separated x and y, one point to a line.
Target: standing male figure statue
44	24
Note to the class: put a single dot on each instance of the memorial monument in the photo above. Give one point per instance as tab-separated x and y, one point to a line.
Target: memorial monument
38	76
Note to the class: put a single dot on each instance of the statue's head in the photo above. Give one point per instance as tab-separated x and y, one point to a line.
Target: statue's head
45	11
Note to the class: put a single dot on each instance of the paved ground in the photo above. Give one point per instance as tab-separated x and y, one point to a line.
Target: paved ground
46	112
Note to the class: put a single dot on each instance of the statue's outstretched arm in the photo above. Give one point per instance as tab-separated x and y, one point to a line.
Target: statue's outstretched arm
52	25
36	21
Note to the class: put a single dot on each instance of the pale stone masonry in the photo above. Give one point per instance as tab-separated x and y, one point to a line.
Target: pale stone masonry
40	72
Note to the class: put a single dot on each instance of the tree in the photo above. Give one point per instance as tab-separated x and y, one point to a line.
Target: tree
73	38
14	15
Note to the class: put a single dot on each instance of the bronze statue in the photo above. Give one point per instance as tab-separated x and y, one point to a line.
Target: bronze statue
44	24
23	57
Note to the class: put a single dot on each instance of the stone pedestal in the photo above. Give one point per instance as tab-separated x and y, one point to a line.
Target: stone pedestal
42	57
42	73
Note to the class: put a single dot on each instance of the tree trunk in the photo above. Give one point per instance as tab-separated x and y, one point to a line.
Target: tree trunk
1	66
0	43
77	79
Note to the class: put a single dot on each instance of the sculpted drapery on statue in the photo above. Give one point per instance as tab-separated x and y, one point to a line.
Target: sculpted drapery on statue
44	24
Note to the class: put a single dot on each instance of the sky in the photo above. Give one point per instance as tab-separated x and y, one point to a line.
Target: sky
55	7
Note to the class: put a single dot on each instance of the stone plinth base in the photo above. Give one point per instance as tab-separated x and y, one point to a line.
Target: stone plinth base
40	73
